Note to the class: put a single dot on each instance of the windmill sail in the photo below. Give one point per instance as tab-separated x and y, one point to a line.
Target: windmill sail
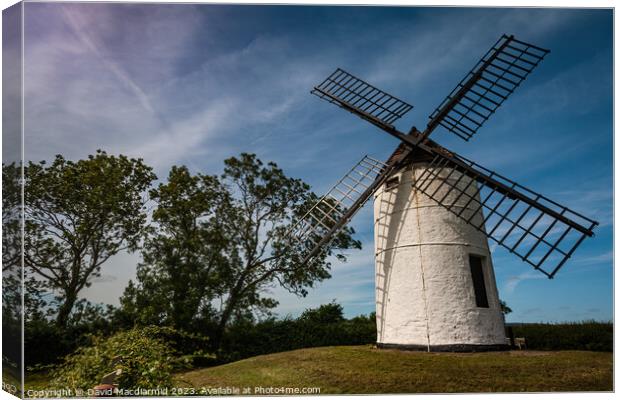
361	98
498	73
335	209
540	231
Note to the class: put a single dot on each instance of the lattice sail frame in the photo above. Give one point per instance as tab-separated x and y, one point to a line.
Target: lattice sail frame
516	216
483	90
528	230
328	212
347	91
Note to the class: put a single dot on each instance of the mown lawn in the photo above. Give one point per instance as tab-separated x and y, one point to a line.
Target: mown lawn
363	369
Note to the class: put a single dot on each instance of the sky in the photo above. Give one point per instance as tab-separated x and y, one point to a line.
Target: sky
191	84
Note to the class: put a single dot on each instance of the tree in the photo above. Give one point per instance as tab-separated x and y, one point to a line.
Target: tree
325	314
11	263
34	304
11	209
504	307
230	233
182	257
78	215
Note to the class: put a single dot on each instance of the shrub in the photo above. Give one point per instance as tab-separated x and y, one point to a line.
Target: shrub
586	335
325	314
189	349
47	343
322	326
146	359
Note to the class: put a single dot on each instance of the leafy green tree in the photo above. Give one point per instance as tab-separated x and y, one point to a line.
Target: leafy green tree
183	256
11	209
504	307
78	215
11	263
224	241
325	314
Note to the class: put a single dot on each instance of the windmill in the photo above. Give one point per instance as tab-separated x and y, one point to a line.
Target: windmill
434	211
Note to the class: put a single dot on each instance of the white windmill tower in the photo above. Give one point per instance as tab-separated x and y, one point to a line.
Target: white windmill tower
435	211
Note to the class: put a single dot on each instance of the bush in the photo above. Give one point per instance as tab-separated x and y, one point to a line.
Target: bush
586	335
322	326
146	357
47	343
189	349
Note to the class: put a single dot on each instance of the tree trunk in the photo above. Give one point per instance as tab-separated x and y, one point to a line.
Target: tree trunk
65	309
233	298
221	326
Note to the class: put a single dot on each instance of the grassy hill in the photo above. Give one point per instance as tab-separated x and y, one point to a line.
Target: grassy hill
363	369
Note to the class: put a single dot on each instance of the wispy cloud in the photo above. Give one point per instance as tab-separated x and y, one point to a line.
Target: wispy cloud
182	84
606	259
595	198
513	281
78	25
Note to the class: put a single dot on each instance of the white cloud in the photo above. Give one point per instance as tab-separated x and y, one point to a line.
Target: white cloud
112	80
79	25
513	281
606	259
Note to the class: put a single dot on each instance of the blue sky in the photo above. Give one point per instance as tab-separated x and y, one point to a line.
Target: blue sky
196	84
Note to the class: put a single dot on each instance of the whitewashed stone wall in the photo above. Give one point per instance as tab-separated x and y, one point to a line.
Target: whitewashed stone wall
424	289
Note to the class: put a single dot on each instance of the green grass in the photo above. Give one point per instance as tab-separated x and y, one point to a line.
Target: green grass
363	369
37	380
11	381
